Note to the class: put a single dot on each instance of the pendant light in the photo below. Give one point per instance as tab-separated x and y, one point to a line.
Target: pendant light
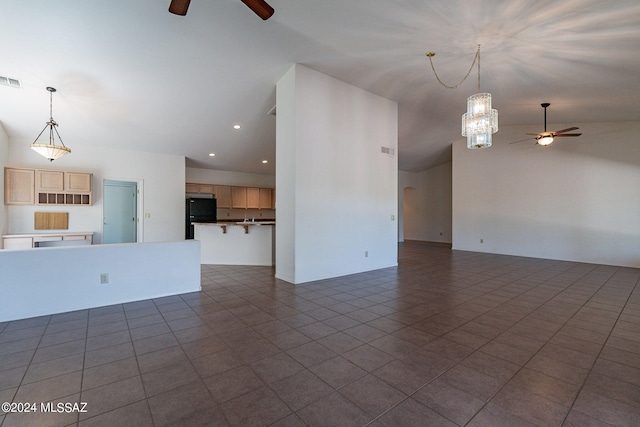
480	121
50	151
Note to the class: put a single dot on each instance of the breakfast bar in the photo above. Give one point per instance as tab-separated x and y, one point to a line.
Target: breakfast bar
236	243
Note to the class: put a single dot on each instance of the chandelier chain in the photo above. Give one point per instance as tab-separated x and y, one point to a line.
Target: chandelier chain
430	55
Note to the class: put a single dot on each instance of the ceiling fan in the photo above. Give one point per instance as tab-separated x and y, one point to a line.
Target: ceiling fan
260	7
545	138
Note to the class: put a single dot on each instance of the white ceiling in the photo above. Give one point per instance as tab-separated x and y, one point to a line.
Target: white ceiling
131	74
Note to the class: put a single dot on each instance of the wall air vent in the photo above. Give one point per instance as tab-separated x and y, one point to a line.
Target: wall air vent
8	81
388	150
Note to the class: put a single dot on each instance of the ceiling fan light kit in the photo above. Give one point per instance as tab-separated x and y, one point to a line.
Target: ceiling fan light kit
51	150
480	121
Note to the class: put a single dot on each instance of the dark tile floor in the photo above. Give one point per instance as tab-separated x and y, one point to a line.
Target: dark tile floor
447	338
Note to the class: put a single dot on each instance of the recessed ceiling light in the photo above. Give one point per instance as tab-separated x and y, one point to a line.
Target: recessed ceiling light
265	161
236	127
212	154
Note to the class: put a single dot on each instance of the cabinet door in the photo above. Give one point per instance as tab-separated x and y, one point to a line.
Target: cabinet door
192	188
77	182
253	198
19	186
239	197
206	188
223	196
49	181
265	198
17	243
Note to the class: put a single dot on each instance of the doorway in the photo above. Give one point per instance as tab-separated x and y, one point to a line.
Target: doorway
120	212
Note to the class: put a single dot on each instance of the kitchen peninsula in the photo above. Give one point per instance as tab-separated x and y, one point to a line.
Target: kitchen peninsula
236	243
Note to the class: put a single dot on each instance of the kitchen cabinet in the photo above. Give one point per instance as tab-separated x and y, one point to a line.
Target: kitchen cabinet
49	181
19	186
236	197
223	196
46	187
265	198
239	197
253	198
63	188
77	182
192	187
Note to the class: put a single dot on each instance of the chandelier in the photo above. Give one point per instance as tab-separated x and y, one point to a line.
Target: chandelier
50	151
480	121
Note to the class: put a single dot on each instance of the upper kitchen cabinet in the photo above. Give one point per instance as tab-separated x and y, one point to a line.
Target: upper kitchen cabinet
77	182
253	198
19	186
223	196
46	187
239	197
195	188
47	181
266	198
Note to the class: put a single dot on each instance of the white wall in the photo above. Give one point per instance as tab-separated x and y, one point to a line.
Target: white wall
4	155
337	192
45	281
425	204
162	176
578	199
209	176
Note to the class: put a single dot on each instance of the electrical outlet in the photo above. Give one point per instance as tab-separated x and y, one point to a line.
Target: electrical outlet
393	217
366	254
104	278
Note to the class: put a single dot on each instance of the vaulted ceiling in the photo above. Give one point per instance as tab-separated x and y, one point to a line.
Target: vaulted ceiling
130	74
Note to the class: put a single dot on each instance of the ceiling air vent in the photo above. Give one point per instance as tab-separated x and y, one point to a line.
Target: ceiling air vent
388	150
8	81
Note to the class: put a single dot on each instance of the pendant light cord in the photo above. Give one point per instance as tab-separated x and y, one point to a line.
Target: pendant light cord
430	55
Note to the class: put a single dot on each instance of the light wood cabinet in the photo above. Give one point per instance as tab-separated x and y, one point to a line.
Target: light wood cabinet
253	198
46	187
192	187
223	196
265	198
236	197
19	186
49	181
239	197
63	188
77	182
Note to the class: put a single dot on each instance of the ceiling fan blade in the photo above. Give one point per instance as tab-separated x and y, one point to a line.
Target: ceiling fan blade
179	7
568	134
260	7
566	130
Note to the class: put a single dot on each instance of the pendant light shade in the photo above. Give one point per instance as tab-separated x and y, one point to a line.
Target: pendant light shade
51	150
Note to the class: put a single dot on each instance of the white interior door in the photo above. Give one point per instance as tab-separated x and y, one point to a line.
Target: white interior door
120	201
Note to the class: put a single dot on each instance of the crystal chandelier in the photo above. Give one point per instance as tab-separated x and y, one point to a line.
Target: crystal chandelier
480	121
50	151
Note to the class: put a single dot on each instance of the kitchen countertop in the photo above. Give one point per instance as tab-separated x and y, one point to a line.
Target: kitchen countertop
231	223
